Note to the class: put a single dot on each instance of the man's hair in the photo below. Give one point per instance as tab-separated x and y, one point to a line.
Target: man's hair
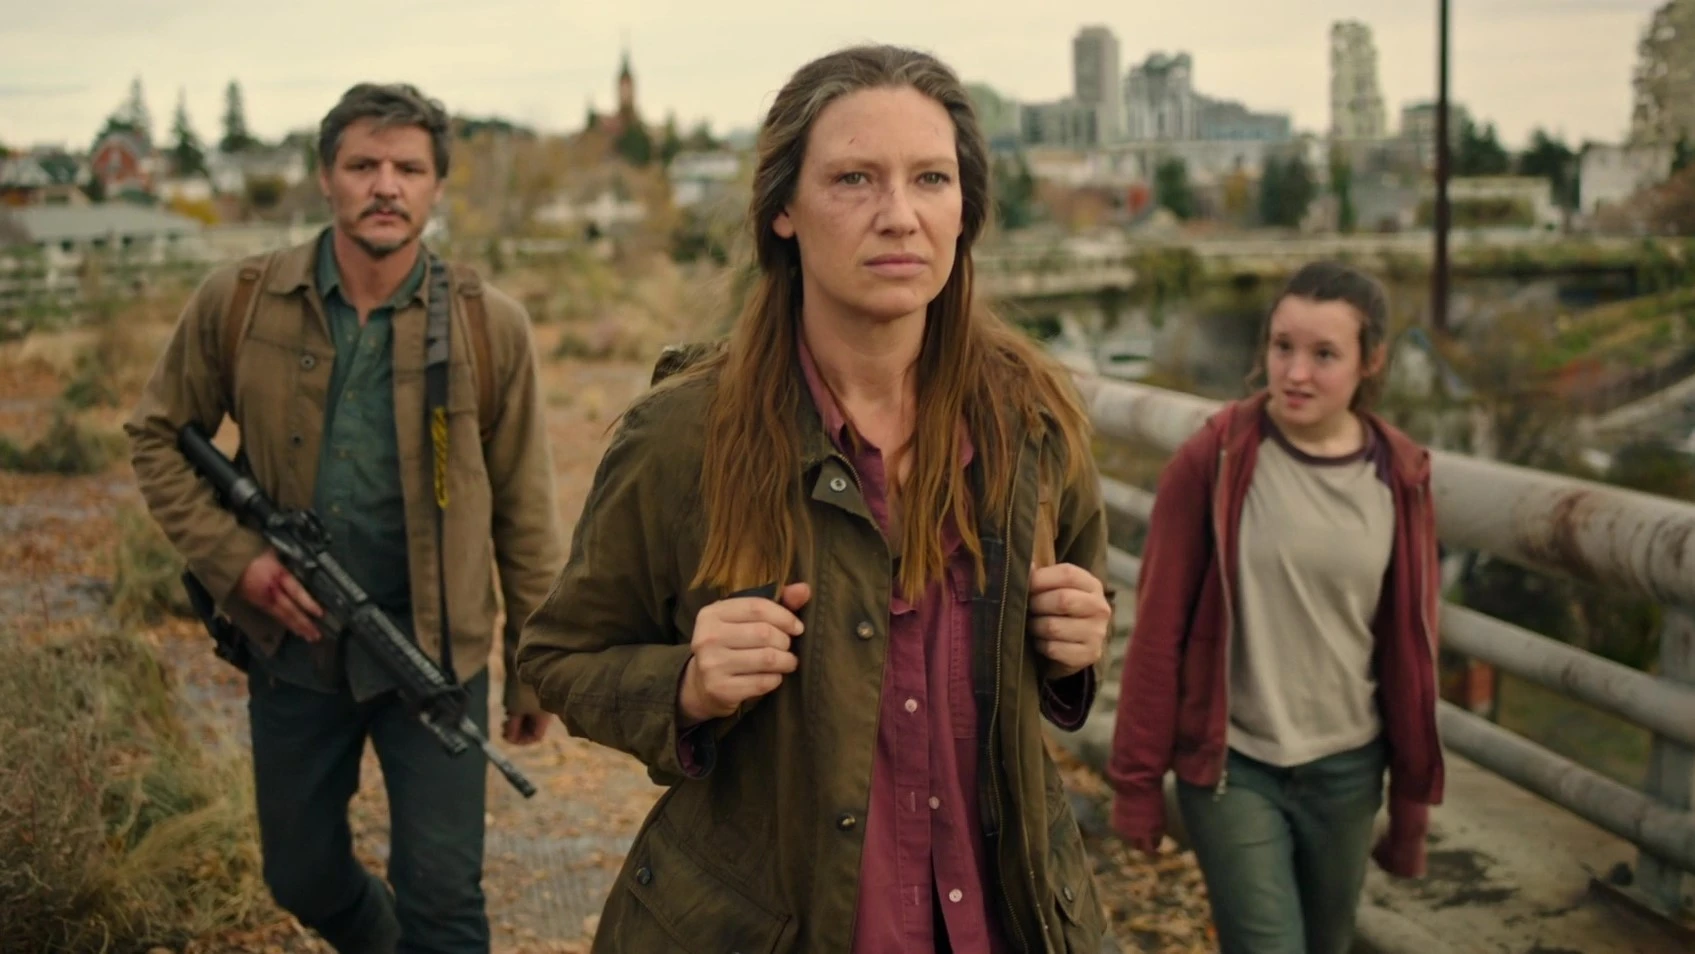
389	104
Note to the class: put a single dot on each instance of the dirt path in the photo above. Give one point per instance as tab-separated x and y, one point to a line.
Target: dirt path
550	859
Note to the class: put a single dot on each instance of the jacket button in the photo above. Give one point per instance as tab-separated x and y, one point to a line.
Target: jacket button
865	630
643	876
837	484
846	821
308	361
295	440
1069	894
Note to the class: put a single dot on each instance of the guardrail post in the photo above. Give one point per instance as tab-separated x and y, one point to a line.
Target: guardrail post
1671	767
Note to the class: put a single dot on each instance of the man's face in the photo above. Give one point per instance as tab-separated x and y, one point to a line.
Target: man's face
382	185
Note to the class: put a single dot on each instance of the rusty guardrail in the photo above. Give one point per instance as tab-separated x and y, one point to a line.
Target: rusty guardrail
1580	529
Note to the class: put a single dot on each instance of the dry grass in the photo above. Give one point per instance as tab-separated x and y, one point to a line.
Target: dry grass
71	446
146	584
116	832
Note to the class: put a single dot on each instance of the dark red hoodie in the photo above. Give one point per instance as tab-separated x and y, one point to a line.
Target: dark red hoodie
1174	706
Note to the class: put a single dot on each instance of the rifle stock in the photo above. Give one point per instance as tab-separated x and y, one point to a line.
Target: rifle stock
302	545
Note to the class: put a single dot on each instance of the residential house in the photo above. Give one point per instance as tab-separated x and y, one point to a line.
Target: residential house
697	177
122	163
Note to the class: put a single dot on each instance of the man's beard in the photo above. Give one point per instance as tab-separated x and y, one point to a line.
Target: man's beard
380	250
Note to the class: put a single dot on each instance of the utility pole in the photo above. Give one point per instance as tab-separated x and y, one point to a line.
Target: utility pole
1439	265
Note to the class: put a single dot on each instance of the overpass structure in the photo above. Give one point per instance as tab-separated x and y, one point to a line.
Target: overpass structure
1564	822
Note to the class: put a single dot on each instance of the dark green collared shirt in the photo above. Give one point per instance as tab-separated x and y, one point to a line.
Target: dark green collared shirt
357	493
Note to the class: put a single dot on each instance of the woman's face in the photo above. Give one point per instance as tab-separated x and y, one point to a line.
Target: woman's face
877	209
1313	363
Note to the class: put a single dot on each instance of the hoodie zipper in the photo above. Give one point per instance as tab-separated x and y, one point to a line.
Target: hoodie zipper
1218	523
1427	652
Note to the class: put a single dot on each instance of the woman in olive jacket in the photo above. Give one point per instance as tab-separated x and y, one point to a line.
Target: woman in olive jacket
832	575
1283	656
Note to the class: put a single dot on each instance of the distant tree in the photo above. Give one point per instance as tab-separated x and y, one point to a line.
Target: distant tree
1664	82
236	137
700	138
1553	160
1238	196
95	189
1171	185
1669	208
1683	154
187	155
130	118
591	119
1480	152
1342	187
672	144
1015	192
635	145
1286	191
135	114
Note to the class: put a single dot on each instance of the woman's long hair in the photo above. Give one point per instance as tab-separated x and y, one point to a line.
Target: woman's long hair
972	365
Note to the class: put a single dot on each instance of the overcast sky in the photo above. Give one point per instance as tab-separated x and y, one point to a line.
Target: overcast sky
1562	64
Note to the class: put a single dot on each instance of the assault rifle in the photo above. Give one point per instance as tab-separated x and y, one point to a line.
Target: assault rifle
302	543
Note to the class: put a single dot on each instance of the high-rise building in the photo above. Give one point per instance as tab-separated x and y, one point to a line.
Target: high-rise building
1095	85
1356	101
1160	100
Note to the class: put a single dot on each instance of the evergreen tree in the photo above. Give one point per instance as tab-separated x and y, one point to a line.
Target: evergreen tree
1342	187
1553	160
1683	154
635	145
134	113
1171	186
1015	193
187	155
236	137
1480	152
1287	189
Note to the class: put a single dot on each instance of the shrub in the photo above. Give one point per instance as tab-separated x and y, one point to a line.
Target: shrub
116	831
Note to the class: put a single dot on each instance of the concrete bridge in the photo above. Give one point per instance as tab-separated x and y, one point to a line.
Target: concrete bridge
1532	851
1503	253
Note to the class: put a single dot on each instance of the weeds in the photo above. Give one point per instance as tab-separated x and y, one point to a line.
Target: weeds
116	832
146	586
70	447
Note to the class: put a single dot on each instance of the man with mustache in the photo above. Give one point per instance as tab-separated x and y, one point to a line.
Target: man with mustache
318	354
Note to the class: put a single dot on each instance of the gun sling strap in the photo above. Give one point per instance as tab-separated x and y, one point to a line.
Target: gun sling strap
437	351
438	338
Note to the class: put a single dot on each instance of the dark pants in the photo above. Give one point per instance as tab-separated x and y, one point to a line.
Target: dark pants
306	751
1284	850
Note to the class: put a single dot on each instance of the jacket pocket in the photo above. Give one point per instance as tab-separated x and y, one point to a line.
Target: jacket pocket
682	905
1081	923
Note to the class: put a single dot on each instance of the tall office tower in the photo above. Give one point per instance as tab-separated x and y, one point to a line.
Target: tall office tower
1094	68
1356	101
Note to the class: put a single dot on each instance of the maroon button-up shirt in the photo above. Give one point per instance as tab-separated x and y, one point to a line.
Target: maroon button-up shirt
924	852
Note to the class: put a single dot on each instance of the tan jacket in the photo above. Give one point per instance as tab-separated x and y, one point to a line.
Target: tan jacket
502	509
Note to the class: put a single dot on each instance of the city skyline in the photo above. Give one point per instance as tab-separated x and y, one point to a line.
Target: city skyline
1564	65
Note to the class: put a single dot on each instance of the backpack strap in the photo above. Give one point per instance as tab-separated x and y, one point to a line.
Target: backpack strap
469	287
238	316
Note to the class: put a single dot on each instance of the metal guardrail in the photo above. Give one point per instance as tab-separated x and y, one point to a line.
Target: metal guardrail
1630	541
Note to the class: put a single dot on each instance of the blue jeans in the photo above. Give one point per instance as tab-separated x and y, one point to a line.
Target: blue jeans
1284	850
306	750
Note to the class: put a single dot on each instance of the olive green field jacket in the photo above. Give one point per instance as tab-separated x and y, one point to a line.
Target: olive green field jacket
761	852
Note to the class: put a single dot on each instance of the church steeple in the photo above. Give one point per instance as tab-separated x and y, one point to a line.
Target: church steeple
626	84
